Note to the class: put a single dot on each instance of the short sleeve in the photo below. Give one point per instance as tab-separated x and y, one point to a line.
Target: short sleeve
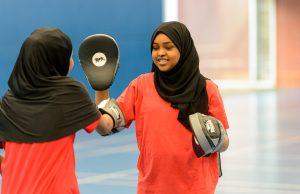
215	103
127	100
91	127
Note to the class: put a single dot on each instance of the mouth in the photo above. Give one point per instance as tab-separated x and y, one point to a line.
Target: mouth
162	61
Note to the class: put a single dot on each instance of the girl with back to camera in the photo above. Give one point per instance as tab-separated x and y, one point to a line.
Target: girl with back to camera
40	114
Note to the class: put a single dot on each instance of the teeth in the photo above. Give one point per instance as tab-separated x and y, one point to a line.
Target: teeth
162	61
161	58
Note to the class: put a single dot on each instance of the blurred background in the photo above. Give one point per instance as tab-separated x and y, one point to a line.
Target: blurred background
250	48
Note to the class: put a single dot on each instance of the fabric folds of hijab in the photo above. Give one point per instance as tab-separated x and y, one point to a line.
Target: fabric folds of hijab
184	86
43	103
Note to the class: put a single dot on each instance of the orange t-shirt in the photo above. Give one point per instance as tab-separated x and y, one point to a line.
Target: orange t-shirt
167	163
41	168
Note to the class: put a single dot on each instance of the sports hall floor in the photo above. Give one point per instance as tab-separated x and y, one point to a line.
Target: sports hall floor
263	157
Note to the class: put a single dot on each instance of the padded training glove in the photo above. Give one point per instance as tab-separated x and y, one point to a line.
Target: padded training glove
110	107
208	134
99	58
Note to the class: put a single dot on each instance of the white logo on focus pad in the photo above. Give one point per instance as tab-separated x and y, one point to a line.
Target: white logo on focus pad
99	59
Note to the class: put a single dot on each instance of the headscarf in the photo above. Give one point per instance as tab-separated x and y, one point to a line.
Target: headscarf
184	86
43	103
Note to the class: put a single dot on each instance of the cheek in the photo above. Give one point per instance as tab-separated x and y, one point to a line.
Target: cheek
176	57
153	55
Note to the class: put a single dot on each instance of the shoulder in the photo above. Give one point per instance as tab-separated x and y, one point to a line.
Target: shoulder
215	103
73	89
145	78
76	85
211	87
213	92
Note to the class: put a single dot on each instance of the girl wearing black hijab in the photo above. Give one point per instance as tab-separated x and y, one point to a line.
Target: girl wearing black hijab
160	103
40	114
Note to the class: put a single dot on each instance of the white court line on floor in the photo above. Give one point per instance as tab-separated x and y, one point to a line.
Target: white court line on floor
257	186
239	190
104	151
261	168
262	146
123	178
126	183
280	158
109	140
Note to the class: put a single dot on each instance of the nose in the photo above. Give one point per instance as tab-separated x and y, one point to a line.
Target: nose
161	52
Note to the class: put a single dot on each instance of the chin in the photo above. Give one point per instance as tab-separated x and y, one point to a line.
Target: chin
166	68
163	69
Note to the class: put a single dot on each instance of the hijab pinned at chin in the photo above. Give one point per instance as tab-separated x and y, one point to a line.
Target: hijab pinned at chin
43	103
183	86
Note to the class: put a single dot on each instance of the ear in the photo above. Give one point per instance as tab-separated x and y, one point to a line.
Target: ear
71	64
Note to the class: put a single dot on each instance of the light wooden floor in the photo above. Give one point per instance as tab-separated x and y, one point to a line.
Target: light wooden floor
264	155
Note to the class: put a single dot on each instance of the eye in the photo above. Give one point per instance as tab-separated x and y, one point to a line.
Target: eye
169	47
155	47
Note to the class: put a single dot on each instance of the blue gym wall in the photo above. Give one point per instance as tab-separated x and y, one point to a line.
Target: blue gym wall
130	22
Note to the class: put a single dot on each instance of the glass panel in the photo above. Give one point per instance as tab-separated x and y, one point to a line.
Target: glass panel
264	41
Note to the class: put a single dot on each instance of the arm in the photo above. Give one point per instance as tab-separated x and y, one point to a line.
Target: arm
217	110
112	120
100	80
106	123
225	143
1	159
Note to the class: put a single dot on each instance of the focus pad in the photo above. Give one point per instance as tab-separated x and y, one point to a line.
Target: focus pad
99	58
208	134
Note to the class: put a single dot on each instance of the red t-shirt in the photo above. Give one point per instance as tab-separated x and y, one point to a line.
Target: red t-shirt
41	168
167	163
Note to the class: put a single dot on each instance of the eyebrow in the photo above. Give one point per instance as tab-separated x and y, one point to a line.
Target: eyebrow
164	43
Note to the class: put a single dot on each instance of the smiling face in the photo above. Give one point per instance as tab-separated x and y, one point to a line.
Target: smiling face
165	54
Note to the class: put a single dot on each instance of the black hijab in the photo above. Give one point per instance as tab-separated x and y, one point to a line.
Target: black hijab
184	86
42	103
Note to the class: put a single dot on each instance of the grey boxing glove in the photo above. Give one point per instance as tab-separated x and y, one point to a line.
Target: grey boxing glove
208	134
110	107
